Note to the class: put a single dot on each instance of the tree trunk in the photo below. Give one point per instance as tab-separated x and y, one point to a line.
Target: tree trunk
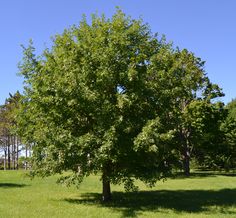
5	159
186	162
184	134
17	153
106	190
26	156
8	154
30	150
13	142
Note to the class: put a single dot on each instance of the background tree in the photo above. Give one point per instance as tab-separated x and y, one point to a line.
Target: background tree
3	135
228	127
205	120
181	83
9	139
216	147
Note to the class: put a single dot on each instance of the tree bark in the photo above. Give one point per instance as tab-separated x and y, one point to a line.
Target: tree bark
26	156
5	159
13	142
106	190
8	153
186	162
17	153
184	134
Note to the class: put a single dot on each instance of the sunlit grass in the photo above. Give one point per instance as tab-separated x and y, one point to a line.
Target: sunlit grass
201	195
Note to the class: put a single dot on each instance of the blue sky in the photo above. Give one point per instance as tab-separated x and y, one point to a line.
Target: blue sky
205	27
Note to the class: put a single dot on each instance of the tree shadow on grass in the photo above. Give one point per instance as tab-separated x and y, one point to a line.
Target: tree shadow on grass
133	203
202	174
12	185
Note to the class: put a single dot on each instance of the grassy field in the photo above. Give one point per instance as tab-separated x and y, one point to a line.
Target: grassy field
202	195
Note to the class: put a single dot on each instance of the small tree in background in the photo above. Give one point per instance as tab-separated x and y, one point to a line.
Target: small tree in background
9	140
216	146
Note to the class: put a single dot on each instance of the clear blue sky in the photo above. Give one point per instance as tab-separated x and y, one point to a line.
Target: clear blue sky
205	27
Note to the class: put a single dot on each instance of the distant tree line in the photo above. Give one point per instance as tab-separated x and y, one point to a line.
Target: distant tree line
13	154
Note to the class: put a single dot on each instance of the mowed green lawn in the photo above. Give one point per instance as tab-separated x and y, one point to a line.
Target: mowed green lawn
201	195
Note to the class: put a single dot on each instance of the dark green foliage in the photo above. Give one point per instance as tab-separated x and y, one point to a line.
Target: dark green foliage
217	149
231	107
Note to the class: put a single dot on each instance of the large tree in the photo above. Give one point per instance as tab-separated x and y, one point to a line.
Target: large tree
107	97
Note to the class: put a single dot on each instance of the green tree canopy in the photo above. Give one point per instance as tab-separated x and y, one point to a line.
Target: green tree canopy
216	146
108	97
